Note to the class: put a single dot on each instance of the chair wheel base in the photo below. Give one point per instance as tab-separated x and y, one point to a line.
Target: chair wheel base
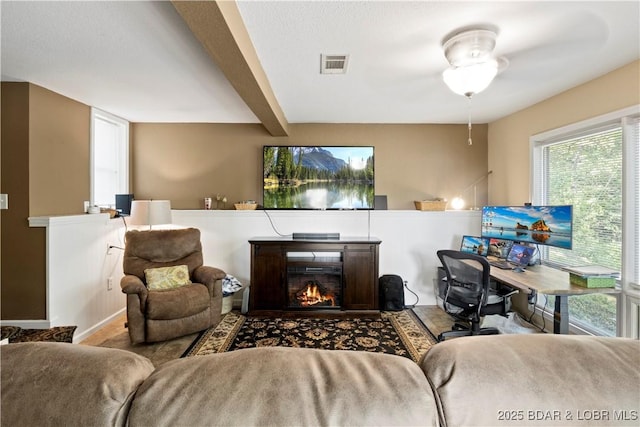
467	333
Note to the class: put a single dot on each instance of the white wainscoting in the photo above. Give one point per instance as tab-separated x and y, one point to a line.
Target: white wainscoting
79	266
410	239
79	263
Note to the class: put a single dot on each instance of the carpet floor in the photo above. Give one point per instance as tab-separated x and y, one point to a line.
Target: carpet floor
55	334
159	353
400	333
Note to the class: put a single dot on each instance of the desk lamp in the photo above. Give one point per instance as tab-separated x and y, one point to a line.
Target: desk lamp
458	202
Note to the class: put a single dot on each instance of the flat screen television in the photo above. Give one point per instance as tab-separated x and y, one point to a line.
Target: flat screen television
545	225
318	177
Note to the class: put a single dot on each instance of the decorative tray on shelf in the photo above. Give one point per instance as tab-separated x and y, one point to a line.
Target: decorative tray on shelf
430	205
246	206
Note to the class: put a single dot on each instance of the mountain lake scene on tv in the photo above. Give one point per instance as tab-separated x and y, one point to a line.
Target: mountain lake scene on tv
318	177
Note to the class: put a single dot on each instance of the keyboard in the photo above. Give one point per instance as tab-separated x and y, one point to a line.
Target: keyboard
504	265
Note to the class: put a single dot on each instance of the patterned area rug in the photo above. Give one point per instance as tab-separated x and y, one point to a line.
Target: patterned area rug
55	334
400	333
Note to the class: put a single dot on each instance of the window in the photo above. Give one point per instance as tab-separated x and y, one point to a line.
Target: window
109	158
594	167
630	303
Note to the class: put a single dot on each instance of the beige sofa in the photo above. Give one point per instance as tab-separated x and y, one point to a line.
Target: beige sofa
495	380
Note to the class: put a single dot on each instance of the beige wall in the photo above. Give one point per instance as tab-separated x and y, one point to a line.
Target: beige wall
59	143
45	171
187	162
509	153
45	163
22	289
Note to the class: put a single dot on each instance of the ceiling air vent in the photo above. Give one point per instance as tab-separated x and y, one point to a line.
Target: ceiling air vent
334	64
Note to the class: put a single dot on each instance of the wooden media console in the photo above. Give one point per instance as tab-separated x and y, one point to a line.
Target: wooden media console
314	274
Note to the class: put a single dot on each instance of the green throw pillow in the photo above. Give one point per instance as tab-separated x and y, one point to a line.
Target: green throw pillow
167	277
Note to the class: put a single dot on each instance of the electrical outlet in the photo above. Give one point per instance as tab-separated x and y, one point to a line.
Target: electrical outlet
110	283
4	201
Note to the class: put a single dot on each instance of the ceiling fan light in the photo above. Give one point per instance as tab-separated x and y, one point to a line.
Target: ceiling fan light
471	79
470	46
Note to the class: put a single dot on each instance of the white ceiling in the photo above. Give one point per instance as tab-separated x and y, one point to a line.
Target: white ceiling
139	60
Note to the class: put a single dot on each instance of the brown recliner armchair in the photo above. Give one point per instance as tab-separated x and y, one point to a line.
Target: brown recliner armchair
158	315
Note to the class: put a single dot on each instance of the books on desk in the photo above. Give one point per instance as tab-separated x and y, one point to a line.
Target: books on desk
592	276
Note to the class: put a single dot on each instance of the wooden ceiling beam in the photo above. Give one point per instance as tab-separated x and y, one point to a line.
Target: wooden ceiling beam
219	27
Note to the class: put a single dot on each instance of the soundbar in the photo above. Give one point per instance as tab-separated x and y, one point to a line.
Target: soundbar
316	236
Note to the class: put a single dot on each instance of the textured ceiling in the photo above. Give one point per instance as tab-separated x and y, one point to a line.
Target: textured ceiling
140	61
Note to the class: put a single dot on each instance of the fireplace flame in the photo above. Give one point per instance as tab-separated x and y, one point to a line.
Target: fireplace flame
312	295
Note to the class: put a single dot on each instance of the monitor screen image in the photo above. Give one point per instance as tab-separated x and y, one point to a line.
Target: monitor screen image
475	245
499	247
520	254
545	225
318	177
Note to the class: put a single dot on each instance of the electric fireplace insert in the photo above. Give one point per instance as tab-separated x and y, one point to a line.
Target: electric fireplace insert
314	287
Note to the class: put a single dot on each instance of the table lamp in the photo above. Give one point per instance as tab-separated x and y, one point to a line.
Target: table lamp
150	212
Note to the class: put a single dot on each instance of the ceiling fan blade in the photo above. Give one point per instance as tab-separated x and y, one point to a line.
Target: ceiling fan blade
580	34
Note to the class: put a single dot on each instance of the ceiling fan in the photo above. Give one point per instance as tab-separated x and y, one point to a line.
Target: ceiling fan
473	65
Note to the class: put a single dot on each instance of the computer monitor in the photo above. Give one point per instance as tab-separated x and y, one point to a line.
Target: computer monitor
474	245
545	225
499	248
520	255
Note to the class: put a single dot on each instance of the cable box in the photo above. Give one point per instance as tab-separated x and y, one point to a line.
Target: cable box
316	236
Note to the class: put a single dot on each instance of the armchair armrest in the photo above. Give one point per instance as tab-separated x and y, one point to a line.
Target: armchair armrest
131	284
208	276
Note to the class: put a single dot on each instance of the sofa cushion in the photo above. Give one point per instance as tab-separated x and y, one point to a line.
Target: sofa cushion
280	386
178	303
535	379
58	384
167	277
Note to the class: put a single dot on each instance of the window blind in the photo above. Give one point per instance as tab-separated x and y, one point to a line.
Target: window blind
586	172
631	126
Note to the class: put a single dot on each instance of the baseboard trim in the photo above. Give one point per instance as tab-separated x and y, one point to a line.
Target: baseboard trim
95	328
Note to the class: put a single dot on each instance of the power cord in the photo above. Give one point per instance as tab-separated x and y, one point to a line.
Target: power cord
534	302
544	311
273	226
416	295
125	232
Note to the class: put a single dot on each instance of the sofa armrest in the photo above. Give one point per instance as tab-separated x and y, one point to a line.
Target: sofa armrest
46	383
535	379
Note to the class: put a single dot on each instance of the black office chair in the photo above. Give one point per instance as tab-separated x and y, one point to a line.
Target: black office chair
468	294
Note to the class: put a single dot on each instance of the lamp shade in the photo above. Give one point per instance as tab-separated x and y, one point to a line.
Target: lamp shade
467	80
150	212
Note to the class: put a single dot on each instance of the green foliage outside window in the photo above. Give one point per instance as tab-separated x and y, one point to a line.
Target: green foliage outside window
586	172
